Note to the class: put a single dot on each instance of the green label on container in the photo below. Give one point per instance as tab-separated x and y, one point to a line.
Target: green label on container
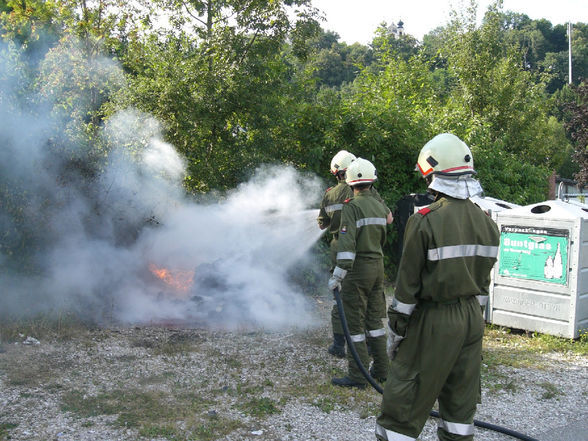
534	253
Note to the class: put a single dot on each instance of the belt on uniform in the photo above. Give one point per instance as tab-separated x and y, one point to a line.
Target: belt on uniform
429	302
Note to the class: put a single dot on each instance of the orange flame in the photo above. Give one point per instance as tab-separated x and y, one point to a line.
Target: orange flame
180	280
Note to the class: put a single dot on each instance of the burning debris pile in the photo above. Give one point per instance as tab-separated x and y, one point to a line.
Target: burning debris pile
121	242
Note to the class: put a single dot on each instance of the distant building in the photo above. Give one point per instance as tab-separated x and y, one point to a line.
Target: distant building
566	189
396	29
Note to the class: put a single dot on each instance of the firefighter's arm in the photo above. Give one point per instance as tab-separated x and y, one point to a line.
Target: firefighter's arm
408	283
345	247
323	219
484	293
389	217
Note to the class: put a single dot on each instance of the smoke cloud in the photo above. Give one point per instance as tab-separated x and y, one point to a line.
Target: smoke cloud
123	243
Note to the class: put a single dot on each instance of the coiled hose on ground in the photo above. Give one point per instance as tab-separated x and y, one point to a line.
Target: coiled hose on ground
377	387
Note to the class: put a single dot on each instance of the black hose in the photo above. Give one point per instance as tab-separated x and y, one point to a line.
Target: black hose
376	386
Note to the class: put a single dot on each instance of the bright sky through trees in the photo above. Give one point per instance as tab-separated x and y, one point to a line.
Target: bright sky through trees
356	21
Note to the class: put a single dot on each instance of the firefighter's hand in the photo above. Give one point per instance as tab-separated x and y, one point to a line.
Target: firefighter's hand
336	279
335	282
392	344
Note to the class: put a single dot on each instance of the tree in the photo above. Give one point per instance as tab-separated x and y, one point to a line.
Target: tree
218	82
577	126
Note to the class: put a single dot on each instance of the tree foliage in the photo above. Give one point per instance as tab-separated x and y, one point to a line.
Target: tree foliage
239	83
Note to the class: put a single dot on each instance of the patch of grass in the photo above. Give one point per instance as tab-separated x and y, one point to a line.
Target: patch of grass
156	431
135	408
550	391
216	428
325	403
60	326
29	373
530	345
155	379
201	429
5	429
260	407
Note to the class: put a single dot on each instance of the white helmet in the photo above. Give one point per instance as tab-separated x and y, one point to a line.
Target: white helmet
341	161
360	171
447	155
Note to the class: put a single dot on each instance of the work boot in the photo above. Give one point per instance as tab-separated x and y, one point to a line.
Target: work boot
338	347
347	382
378	379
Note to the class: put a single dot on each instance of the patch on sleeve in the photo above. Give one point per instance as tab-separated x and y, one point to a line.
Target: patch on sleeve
347	200
424	211
343	229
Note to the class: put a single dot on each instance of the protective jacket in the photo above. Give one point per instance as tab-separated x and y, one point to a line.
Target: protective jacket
362	231
450	248
332	203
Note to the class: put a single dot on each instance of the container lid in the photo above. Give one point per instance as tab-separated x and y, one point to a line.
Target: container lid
492	205
552	209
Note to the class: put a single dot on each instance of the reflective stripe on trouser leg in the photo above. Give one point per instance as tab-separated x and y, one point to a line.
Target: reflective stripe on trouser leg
388	435
457	428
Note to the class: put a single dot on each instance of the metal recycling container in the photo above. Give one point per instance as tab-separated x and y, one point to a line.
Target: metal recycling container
492	206
540	282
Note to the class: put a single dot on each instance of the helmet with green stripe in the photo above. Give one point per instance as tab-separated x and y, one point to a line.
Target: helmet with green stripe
445	155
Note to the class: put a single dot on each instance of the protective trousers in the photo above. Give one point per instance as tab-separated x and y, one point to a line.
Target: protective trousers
439	359
362	294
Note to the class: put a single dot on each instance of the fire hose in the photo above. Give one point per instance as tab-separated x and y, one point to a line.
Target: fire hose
377	387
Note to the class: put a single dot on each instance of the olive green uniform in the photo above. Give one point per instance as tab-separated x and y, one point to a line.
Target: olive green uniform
359	252
330	216
449	250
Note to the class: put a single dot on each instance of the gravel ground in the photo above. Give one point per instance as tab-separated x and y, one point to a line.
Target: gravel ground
224	371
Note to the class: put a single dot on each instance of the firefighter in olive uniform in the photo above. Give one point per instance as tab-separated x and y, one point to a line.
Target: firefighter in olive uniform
360	273
330	217
435	319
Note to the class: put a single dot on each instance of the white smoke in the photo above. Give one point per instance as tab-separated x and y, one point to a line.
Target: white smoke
101	243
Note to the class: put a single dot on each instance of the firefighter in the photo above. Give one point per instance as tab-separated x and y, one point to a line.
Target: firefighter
359	273
435	319
330	217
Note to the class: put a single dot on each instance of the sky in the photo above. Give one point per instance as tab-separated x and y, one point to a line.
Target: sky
356	21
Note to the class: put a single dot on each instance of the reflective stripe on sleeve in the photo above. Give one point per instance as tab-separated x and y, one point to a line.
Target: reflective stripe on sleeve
483	300
356	338
457	428
403	308
333	208
376	332
370	221
345	255
389	435
454	251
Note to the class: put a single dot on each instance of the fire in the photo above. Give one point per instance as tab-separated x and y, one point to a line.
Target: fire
180	280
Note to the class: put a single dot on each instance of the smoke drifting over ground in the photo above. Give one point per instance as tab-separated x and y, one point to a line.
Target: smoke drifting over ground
124	244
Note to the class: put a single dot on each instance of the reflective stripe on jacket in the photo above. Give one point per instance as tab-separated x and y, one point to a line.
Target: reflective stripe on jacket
332	203
363	229
449	252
